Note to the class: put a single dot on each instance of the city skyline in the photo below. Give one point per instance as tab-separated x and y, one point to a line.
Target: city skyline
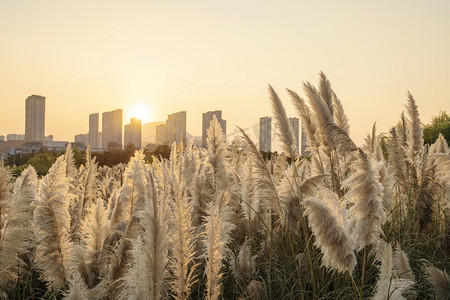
92	58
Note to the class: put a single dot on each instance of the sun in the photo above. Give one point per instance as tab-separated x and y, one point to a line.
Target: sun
140	111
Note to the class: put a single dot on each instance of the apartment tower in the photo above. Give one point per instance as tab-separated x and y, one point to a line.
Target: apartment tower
35	118
176	127
94	138
265	134
133	133
112	129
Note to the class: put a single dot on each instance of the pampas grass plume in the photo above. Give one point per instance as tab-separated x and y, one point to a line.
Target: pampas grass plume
330	236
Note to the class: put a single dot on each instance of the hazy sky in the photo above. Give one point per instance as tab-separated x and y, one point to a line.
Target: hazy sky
95	56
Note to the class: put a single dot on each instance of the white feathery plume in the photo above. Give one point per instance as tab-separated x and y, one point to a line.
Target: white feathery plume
243	266
282	123
388	285
217	236
330	236
77	288
340	118
307	122
326	93
321	112
16	234
93	230
71	170
401	265
255	290
439	146
442	163
51	223
123	225
365	192
263	179
85	190
132	193
382	290
415	130
439	279
215	154
150	250
250	202
397	158
5	190
183	247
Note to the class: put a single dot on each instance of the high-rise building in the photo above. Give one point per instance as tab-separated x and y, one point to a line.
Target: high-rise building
12	137
35	118
295	122
82	138
2	137
206	121
161	134
149	132
176	127
133	133
94	137
265	134
112	129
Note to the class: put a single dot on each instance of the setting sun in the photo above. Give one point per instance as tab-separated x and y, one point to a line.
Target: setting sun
140	111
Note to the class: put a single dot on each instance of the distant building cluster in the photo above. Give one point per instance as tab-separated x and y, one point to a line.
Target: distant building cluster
173	129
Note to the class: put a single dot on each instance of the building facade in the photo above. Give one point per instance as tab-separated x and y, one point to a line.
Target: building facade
35	118
112	129
133	133
94	137
176	127
265	134
161	134
206	121
82	139
149	132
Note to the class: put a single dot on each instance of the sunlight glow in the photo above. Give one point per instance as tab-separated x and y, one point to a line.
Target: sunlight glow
140	111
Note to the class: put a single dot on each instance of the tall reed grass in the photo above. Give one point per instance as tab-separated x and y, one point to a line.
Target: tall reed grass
348	222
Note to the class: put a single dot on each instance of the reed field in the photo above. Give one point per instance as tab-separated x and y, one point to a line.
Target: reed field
224	222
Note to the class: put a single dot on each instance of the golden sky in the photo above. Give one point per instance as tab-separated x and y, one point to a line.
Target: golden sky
93	56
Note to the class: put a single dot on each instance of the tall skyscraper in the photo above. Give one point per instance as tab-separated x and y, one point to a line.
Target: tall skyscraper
35	118
149	132
112	129
161	134
265	134
295	122
94	138
133	133
81	138
176	127
206	121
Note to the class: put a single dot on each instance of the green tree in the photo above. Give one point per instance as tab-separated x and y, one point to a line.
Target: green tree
439	124
42	162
